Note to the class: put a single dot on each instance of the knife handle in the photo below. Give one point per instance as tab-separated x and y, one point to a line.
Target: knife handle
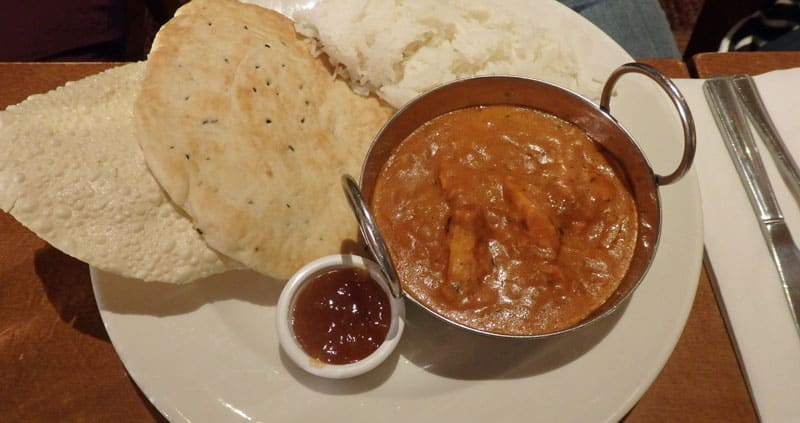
757	112
731	119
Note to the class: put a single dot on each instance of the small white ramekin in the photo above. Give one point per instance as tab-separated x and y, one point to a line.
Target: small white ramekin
336	371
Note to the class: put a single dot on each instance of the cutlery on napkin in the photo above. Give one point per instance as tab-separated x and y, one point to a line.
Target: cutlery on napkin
744	275
729	98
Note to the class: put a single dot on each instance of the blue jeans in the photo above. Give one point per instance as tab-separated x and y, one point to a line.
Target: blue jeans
639	26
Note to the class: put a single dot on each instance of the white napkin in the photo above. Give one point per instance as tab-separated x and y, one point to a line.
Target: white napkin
747	280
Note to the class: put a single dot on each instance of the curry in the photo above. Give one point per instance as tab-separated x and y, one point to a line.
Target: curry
506	219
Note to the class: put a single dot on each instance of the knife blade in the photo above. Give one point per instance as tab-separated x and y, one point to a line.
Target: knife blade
730	117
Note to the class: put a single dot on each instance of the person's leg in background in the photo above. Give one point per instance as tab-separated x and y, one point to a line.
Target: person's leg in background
639	26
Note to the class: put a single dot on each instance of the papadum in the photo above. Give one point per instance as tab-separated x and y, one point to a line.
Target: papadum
72	171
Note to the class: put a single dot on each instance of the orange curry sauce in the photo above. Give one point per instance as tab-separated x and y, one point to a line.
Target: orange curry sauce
505	219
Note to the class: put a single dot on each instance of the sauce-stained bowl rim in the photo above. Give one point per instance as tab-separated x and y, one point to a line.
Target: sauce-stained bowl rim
284	309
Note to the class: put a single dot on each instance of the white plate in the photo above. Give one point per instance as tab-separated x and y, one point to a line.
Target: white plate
208	351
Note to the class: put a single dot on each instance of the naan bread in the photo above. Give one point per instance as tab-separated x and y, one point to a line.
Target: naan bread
250	134
72	172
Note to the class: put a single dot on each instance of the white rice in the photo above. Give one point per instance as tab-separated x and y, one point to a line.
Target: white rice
400	48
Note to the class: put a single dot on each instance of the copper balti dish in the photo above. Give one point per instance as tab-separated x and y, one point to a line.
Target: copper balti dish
596	121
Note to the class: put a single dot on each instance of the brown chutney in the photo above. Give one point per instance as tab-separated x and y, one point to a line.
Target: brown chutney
341	316
505	219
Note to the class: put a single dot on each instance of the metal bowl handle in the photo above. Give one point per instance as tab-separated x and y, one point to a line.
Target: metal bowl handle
678	101
372	236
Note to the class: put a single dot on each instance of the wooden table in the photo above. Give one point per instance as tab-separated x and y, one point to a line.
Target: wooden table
57	363
705	65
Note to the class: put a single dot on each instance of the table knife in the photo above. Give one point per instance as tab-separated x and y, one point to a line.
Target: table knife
735	129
